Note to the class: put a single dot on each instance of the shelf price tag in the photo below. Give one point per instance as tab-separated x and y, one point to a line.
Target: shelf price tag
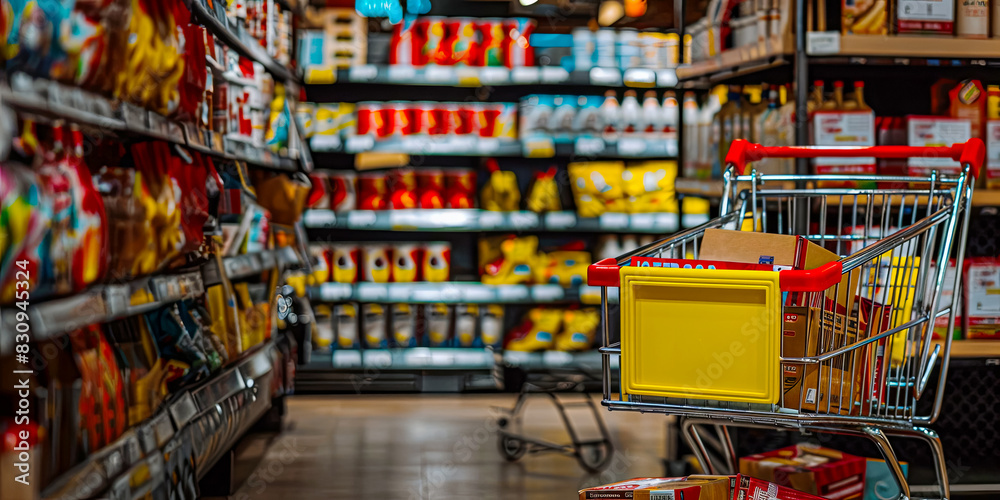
440	74
642	222
347	359
493	75
614	220
560	220
360	219
666	222
610	77
547	293
490	220
589	146
556	358
320	218
378	359
524	74
334	292
373	292
488	145
554	74
823	43
640	77
512	293
478	294
523	220
360	143
402	74
631	146
363	73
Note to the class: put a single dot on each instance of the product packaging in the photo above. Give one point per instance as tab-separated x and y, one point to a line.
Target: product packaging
345	326
437	325
811	469
935	131
404	325
968	101
466	318
844	128
880	483
925	16
405	262
344	259
864	18
982	309
374	325
536	332
491	325
579	329
623	489
947	293
435	261
376	261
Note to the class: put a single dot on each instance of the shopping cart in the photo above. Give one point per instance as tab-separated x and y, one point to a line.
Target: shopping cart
558	386
709	344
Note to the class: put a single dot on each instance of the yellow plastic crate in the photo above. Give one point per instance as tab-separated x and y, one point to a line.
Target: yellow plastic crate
701	334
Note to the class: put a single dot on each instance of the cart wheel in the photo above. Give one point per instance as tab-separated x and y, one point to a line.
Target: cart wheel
512	448
594	457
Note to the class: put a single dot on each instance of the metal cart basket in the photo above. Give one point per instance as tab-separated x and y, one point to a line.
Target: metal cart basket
713	343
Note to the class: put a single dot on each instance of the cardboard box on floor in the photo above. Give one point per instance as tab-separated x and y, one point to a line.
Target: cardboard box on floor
812	469
793	252
707	488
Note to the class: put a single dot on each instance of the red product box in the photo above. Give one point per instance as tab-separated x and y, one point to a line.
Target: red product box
698	264
750	488
623	489
811	470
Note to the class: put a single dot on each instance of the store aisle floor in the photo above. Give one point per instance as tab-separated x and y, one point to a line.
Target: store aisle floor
432	447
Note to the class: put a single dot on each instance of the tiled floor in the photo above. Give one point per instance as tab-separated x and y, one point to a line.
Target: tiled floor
433	447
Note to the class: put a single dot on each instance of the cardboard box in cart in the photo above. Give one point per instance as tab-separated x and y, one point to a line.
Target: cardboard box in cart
812	469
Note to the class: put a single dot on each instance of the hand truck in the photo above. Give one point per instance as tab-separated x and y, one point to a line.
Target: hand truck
709	344
594	455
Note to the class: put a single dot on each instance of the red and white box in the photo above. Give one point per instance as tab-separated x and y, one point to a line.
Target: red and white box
982	304
935	131
810	469
844	128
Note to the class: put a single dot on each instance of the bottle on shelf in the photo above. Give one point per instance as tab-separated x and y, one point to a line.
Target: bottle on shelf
816	97
671	114
611	114
859	96
692	128
631	112
652	117
993	102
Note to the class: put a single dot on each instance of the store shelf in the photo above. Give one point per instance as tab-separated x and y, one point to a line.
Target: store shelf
453	293
48	98
901	46
536	147
108	302
414	358
986	197
483	220
470	76
973	348
104	303
741	60
211	417
238	40
708	188
415	369
589	361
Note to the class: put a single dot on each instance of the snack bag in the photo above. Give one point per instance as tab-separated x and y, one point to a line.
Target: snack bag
579	329
536	332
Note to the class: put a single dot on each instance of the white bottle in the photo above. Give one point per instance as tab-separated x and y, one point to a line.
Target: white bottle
671	115
710	136
631	113
611	114
608	247
691	134
973	18
652	117
629	243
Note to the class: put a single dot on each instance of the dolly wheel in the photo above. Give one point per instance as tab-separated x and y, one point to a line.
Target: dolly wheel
594	457
512	448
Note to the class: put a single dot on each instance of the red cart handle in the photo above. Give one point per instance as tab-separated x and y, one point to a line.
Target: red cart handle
605	273
971	152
